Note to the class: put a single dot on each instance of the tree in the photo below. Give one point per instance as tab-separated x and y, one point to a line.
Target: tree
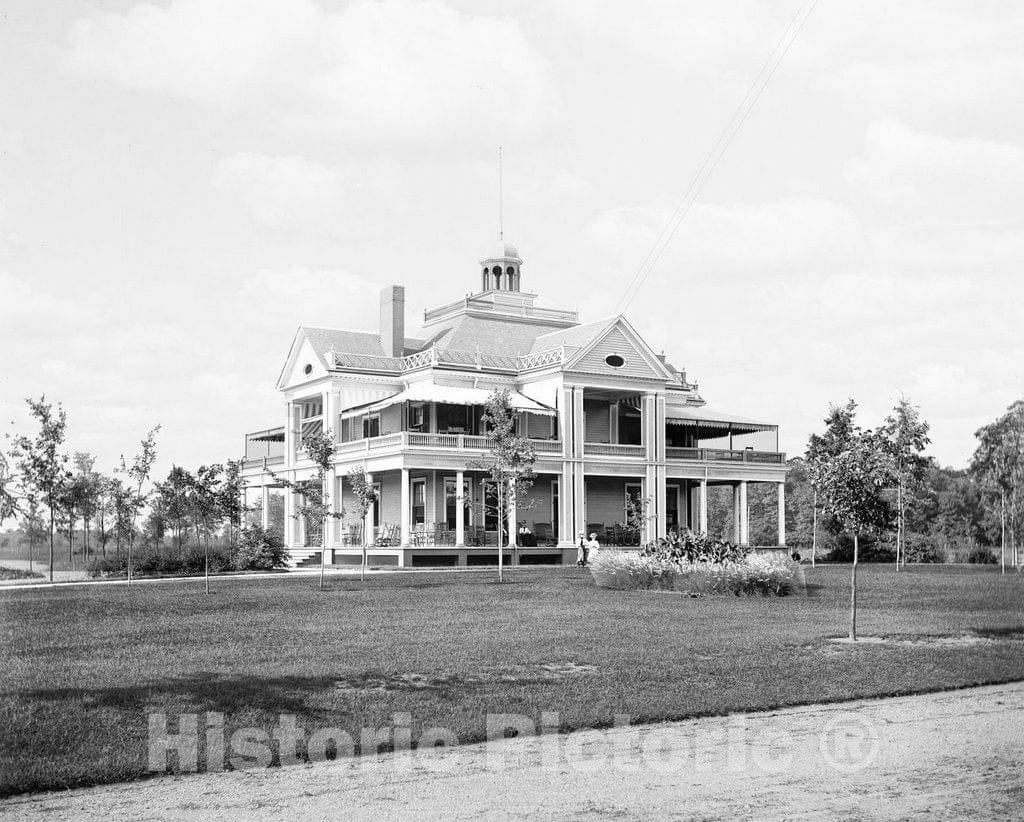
231	500
206	497
43	468
907	435
315	507
89	488
365	495
839	428
9	506
138	474
998	464
34	526
174	494
852	486
509	462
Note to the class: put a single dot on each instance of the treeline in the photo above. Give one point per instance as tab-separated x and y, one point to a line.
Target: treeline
60	496
925	512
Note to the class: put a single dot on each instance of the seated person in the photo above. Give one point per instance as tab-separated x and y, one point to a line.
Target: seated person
526	537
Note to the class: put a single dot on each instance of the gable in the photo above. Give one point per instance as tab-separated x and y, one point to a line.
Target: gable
302	354
619	341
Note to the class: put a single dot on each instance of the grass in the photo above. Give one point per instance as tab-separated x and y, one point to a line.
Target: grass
83	665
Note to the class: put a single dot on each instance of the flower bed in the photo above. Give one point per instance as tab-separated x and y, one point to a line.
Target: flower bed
754	574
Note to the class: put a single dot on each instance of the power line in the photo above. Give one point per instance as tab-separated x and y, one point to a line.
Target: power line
717	151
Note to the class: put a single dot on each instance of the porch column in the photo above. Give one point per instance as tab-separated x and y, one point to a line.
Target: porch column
513	525
333	505
265	514
736	513
703	506
460	510
289	518
368	534
744	519
405	517
289	434
782	513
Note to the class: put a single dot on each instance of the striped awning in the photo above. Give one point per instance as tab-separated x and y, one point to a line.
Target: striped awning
704	417
449	395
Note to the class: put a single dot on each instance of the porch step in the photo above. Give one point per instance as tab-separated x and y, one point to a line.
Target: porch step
303	557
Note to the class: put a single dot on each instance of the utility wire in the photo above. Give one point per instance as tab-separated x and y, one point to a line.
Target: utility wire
714	156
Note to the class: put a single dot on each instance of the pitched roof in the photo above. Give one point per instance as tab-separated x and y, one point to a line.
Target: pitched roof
352	342
492	335
578	336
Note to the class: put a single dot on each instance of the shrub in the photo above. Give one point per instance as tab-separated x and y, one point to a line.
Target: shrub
691	547
107	566
981	556
260	550
919	548
871	550
755	574
18	573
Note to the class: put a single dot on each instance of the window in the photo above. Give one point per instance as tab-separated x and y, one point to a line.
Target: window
376	504
371	426
615	361
418	419
308	369
452	502
672	508
419	502
634	494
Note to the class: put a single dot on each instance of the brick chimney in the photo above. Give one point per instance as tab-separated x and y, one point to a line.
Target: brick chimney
392	320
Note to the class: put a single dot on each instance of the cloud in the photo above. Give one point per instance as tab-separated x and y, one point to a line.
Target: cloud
928	177
784	233
395	72
304	296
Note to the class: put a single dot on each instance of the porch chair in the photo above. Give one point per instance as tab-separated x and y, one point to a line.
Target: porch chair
442	536
542	530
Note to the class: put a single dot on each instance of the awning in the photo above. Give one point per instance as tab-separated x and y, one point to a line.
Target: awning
449	395
268	436
709	418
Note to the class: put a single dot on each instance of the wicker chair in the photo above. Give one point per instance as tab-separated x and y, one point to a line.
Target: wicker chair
542	530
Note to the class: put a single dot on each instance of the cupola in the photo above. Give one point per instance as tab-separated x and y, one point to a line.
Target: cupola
500	270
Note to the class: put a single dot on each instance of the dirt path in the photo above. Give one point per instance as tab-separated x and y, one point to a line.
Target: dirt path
949	755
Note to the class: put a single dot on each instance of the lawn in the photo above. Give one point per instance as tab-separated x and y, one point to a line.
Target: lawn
83	665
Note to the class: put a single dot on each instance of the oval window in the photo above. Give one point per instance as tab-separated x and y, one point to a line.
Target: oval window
308	369
615	361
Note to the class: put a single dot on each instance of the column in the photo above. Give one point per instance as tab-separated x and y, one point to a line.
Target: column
744	519
405	517
782	513
289	518
460	510
566	536
333	504
332	405
368	535
736	513
703	506
266	508
289	435
513	525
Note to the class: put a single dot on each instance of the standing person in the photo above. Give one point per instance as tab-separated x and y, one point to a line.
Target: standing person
581	549
593	546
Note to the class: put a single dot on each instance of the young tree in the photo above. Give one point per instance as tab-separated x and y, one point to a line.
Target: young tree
907	435
365	495
34	526
231	499
88	483
839	428
43	468
852	486
206	497
509	463
315	498
175	496
9	503
138	474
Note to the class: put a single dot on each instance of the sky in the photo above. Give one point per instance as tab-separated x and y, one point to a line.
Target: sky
183	183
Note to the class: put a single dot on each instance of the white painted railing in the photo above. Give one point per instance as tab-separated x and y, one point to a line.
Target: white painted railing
613	449
442	442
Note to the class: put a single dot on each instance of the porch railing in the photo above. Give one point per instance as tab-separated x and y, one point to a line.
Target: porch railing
612	449
447	442
725	455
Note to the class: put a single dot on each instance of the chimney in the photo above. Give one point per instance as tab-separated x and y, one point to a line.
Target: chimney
392	320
